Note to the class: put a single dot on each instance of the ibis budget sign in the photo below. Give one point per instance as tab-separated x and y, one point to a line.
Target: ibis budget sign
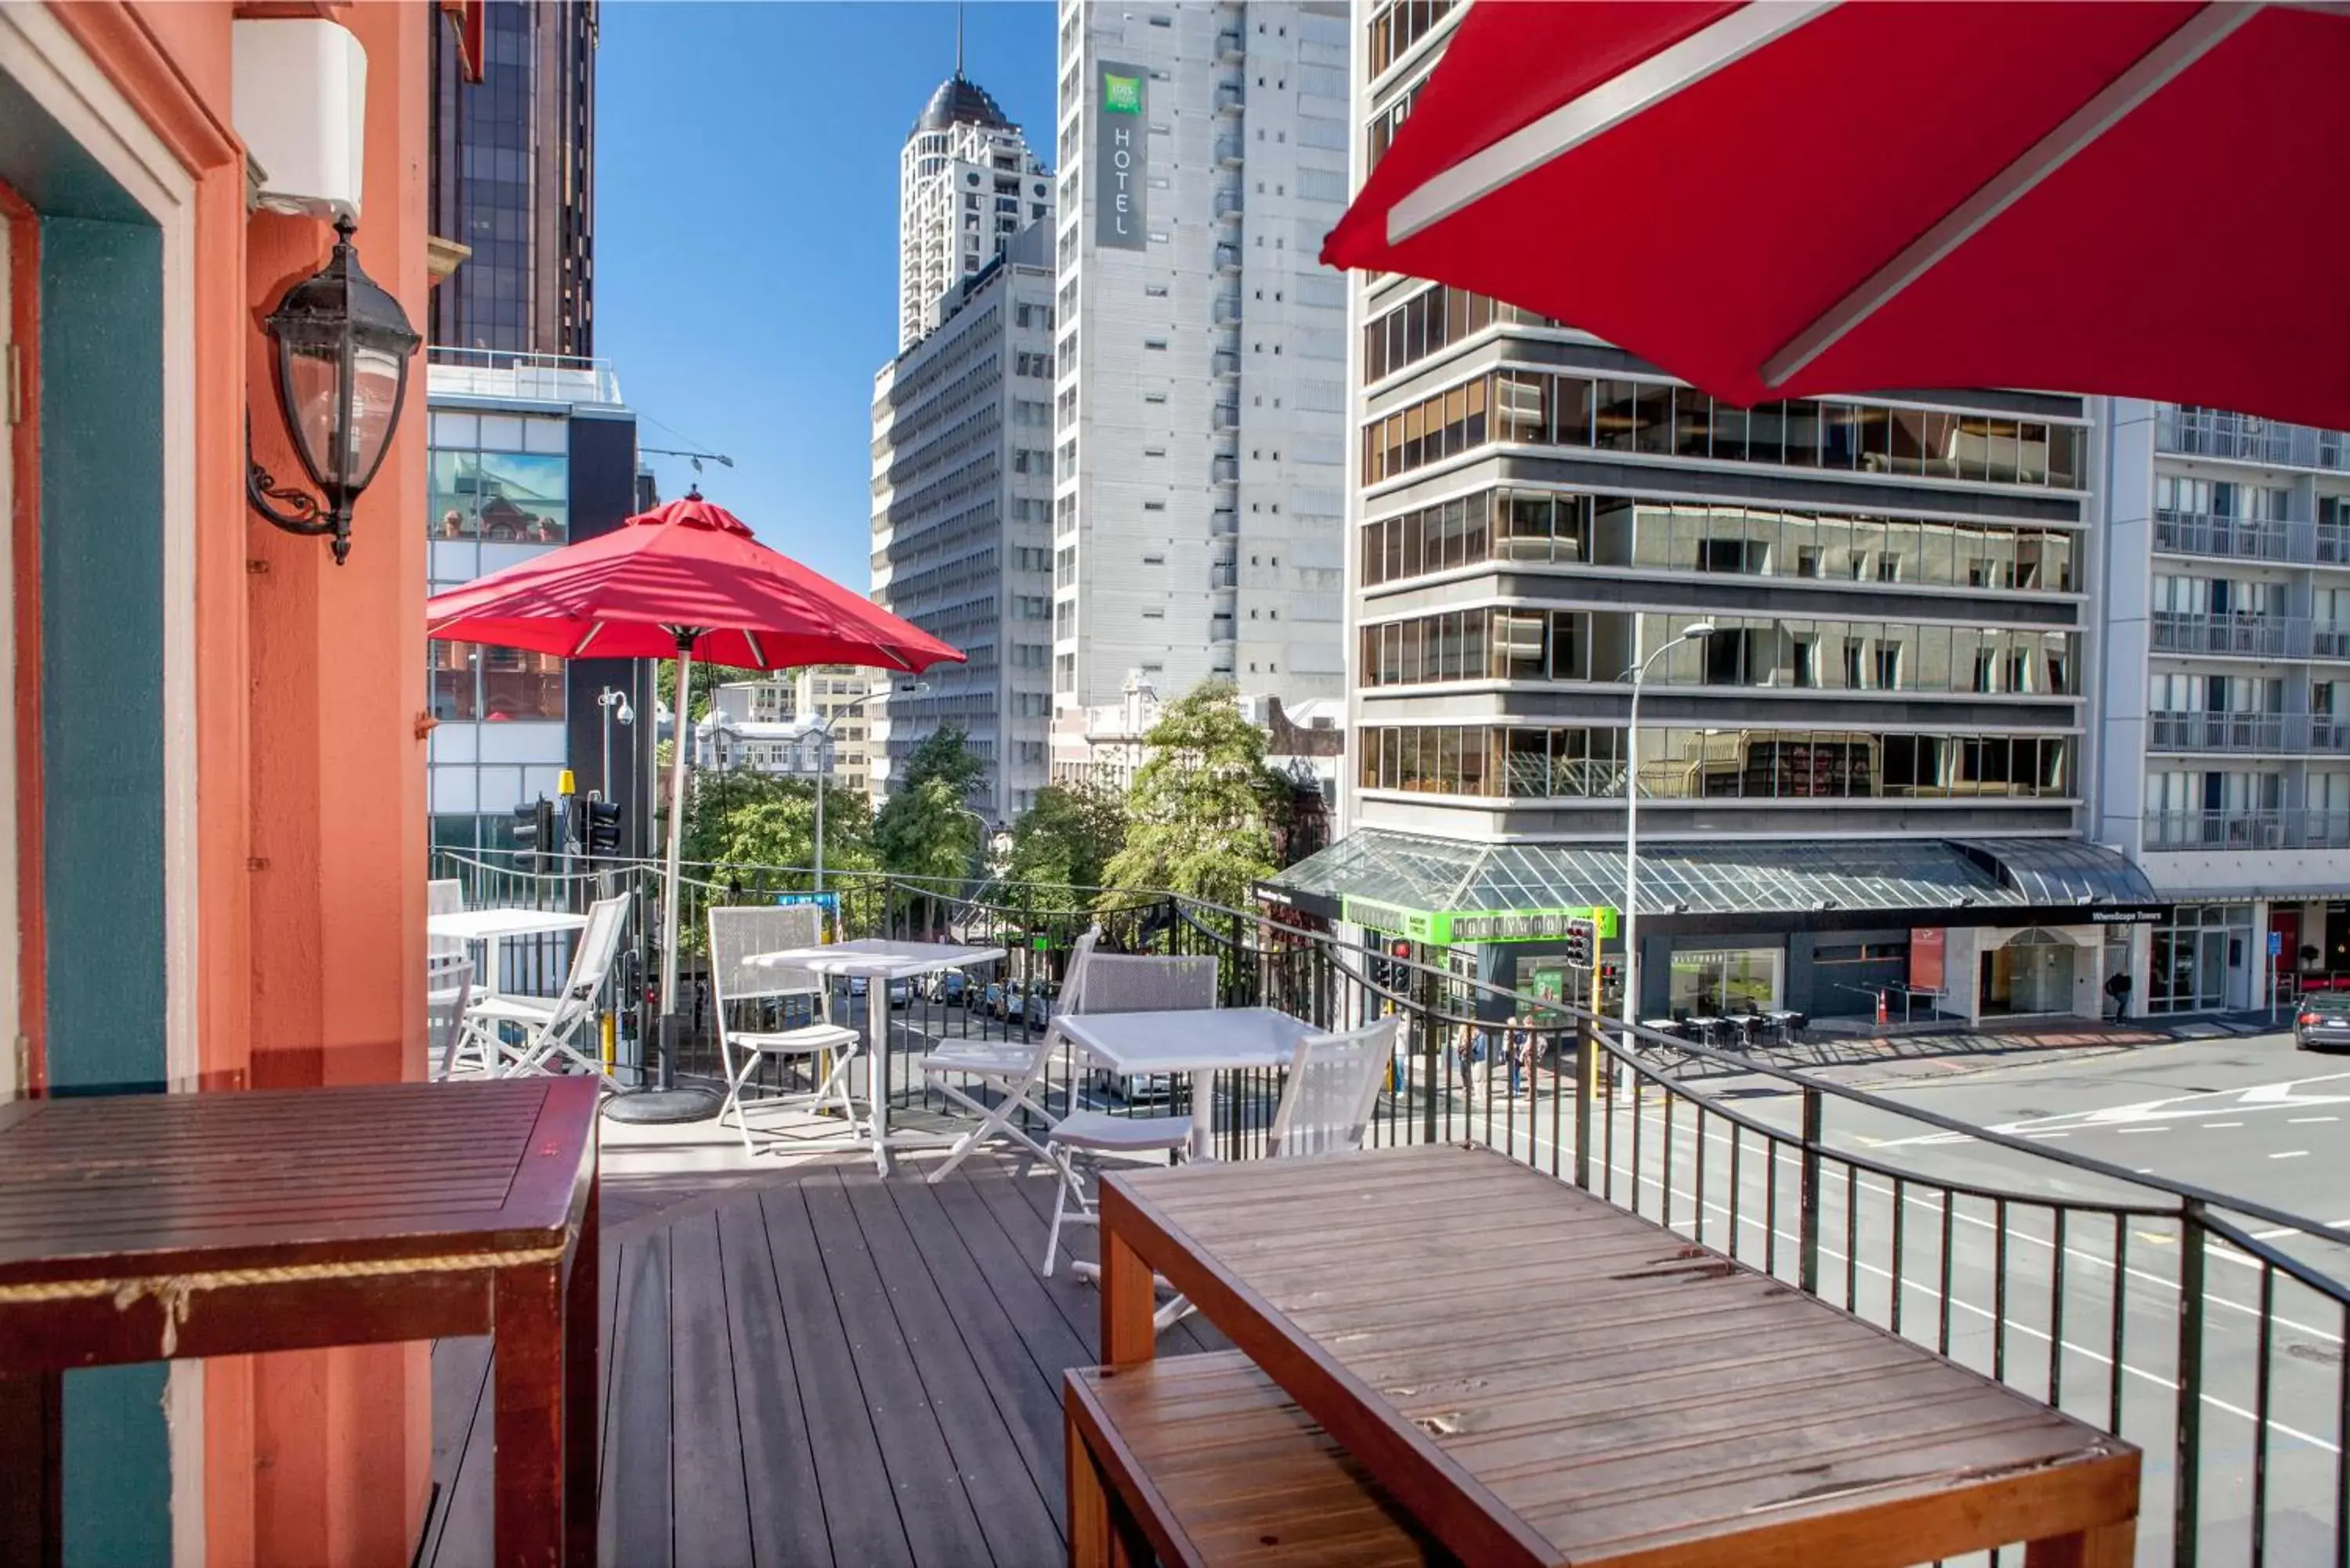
1121	154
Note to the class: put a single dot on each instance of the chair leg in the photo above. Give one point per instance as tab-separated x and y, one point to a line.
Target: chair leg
993	1120
1071	1185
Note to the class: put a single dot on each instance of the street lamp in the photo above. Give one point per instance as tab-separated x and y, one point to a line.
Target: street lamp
1696	631
615	703
823	728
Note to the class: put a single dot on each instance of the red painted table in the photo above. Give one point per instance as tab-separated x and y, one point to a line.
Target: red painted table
149	1227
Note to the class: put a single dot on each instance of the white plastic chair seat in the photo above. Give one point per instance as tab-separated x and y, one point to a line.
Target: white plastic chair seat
979	1056
1119	1135
808	1037
507	1009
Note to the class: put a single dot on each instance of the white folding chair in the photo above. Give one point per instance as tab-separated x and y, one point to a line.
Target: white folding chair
444	895
551	1026
740	933
448	989
1333	1082
1119	982
1014	1069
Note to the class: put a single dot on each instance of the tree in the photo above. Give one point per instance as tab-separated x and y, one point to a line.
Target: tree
1067	838
925	830
1196	817
745	822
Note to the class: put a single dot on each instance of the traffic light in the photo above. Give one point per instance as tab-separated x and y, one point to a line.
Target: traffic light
602	836
536	848
1578	943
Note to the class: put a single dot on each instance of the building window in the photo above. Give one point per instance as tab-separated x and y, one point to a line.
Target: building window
502	478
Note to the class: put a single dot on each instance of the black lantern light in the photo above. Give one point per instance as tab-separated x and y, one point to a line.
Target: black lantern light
343	348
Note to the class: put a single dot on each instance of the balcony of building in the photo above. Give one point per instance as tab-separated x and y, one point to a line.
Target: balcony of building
1228	205
2221	732
1230	152
2247	830
1222	365
1231	46
2234	538
2244	438
1229	97
2231	636
1228	260
802	1358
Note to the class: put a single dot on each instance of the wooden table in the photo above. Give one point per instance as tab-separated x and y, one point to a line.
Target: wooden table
1540	1378
149	1227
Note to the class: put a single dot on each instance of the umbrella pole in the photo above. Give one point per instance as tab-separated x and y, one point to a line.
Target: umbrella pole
682	729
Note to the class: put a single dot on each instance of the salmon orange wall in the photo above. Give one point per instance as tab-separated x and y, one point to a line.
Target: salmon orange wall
310	769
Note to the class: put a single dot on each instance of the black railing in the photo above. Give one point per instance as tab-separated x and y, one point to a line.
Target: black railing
2207	1329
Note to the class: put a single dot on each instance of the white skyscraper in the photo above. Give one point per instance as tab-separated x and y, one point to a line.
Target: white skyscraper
1200	424
966	184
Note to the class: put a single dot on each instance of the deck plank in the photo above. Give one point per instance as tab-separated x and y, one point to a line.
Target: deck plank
861	1500
713	1497
786	1502
941	1520
1003	1474
639	1505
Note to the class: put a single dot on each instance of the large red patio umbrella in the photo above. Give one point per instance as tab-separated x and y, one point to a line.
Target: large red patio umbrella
686	580
1779	199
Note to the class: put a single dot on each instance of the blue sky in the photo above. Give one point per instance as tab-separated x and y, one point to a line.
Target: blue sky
746	234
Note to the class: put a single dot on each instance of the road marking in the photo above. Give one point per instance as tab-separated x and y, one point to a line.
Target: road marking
2292	1154
2299	1121
2044	1137
2215	1126
2142	1129
2281	1097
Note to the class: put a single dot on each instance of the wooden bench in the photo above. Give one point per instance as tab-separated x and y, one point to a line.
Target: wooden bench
1203	1460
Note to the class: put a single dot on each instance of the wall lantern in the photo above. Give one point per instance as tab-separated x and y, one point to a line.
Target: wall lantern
343	348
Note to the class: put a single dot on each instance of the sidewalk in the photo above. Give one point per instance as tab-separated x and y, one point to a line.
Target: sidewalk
1959	1050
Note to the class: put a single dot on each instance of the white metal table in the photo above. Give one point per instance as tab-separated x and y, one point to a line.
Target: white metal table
1188	1041
879	961
494	928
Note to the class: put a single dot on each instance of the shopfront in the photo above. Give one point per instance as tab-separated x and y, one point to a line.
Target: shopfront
2203	960
1710	982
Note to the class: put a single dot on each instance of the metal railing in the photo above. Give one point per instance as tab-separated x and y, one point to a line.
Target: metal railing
2213	432
2217	830
2232	635
2206	1328
2215	731
2234	538
453	371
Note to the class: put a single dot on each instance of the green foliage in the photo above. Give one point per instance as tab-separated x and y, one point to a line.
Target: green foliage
740	820
1196	817
925	830
1067	838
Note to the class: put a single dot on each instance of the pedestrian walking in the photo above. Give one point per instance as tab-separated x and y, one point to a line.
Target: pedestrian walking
2119	988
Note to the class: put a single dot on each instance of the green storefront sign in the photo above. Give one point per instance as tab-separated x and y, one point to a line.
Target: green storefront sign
1468	928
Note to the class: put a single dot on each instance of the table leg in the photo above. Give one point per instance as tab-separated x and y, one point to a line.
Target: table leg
2107	1546
1203	1141
526	1314
32	1492
1102	1534
1128	1300
581	1425
877	1080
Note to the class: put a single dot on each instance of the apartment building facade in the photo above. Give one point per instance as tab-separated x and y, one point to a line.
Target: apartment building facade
967	184
2225	747
963	525
1868	776
1198	408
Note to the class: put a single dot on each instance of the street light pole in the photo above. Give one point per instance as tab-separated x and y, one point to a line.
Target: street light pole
615	703
1695	632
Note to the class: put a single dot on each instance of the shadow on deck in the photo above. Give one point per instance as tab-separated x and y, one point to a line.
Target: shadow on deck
813	1365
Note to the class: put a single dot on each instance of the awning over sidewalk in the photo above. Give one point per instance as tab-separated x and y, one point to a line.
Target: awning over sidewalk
1383	879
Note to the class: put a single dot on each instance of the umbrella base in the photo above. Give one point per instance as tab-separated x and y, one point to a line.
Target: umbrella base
662	1106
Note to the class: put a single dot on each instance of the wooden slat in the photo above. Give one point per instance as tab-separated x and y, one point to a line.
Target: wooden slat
1229	1473
785	1505
634	1526
707	1481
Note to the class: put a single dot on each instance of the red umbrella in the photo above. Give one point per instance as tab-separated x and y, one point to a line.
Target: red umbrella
685	581
1779	199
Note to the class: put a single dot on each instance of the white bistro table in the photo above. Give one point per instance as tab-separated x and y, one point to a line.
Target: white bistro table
494	928
1188	1041
879	960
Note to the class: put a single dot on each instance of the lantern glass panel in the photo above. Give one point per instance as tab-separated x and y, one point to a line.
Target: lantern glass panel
376	377
314	408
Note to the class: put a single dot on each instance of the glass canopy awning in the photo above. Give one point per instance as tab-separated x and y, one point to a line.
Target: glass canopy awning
1975	880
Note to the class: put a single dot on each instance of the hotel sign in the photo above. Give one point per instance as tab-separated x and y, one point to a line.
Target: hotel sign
1121	157
1458	928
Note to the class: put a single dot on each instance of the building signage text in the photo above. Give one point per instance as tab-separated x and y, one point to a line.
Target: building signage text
1121	158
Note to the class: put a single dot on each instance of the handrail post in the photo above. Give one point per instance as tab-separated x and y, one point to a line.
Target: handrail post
2184	1504
1586	1090
1431	1051
1807	1263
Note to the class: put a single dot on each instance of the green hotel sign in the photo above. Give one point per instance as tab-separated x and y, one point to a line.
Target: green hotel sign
1465	927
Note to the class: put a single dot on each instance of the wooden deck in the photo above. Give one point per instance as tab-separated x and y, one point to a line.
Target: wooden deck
813	1367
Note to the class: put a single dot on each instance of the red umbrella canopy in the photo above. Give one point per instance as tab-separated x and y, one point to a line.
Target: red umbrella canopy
686	564
1784	198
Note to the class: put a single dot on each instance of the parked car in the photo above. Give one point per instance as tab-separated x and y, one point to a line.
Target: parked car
1036	1007
901	993
1142	1088
2323	1020
949	986
991	1003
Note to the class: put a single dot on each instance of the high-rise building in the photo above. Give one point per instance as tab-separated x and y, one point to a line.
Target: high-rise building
1867	777
1199	430
2224	748
511	179
966	184
962	485
842	693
